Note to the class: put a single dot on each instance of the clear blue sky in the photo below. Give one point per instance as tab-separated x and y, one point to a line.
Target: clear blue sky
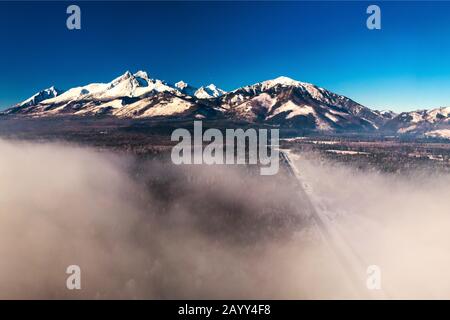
404	66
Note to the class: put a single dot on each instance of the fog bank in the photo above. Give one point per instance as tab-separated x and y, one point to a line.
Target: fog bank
145	229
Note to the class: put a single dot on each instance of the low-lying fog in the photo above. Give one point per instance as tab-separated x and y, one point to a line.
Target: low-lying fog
149	230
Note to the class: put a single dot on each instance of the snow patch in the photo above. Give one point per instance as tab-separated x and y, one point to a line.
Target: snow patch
443	133
348	152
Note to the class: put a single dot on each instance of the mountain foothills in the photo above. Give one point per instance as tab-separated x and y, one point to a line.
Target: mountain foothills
433	123
282	102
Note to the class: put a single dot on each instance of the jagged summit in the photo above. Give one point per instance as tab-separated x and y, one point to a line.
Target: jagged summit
181	85
41	96
126	85
185	88
280	101
430	123
209	91
283	81
142	74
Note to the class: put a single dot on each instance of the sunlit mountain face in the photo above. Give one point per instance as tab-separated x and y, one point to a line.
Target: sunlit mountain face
281	101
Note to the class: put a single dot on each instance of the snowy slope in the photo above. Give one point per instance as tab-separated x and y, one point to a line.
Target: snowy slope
292	103
185	88
443	133
422	122
281	101
126	85
36	99
208	92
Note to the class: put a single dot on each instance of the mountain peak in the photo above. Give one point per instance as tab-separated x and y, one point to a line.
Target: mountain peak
281	100
211	86
284	79
52	91
181	85
124	76
209	91
142	74
40	96
185	88
127	74
281	80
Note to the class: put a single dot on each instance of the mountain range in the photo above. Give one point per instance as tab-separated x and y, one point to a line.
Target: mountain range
280	102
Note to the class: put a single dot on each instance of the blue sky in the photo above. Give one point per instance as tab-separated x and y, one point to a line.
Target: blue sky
403	66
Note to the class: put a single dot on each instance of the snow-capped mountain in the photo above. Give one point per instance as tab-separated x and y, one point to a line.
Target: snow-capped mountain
129	95
185	88
127	85
45	94
292	103
387	114
208	92
281	101
430	123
